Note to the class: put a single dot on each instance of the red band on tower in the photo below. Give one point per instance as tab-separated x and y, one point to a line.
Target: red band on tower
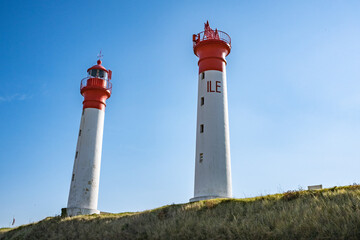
211	46
94	97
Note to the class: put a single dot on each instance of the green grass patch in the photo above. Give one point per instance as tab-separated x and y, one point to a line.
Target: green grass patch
322	214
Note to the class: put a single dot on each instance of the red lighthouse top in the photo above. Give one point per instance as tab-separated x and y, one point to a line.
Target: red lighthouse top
211	46
98	66
210	34
96	87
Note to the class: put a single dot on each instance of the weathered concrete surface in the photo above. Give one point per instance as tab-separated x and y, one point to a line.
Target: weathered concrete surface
84	189
212	160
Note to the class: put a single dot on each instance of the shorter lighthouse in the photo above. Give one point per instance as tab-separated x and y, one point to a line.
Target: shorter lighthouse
84	188
212	159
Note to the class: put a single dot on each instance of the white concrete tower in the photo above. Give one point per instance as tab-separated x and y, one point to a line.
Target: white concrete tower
84	188
212	160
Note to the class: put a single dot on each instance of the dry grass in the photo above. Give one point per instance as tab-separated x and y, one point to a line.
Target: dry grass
325	214
3	230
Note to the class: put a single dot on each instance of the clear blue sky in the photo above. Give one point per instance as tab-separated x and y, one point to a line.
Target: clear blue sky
293	88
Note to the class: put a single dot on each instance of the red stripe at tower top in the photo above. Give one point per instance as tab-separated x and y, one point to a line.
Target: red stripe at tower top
211	46
96	87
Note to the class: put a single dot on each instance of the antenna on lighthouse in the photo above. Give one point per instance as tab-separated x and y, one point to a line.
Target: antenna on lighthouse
100	55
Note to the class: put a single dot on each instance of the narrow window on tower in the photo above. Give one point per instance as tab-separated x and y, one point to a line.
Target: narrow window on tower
201	158
202	75
202	101
79	132
76	154
201	128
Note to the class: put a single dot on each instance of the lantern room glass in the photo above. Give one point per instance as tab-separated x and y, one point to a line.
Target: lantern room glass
97	73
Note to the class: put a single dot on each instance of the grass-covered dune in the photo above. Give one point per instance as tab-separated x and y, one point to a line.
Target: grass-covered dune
325	214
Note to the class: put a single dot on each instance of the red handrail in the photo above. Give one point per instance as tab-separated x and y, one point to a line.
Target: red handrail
220	35
104	84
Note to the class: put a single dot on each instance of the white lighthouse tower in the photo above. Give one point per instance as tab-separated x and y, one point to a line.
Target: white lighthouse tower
84	189
212	160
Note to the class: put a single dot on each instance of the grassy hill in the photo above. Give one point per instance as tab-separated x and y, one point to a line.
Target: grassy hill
324	214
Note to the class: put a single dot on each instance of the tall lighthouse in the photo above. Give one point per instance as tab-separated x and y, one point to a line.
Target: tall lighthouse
84	188
212	160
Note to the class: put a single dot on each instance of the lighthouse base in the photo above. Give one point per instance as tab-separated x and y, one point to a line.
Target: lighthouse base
195	199
71	212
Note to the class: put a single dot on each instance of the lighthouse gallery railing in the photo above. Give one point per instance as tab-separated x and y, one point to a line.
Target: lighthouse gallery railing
223	36
96	82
